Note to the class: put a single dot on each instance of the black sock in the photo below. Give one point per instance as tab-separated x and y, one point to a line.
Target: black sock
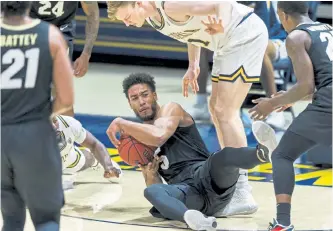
283	213
262	153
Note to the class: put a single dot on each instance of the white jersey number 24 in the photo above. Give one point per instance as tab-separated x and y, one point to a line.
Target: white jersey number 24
47	9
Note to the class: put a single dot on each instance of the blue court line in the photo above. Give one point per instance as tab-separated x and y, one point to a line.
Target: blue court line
164	227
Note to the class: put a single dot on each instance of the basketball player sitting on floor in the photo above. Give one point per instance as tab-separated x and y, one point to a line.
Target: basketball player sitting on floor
238	38
74	159
198	182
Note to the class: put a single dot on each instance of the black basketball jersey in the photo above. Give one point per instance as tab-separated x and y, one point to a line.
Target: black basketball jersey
184	148
320	52
58	13
26	72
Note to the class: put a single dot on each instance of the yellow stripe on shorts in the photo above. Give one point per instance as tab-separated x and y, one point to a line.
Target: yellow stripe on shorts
240	72
78	157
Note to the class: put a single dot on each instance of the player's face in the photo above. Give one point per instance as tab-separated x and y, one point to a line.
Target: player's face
284	19
142	101
132	15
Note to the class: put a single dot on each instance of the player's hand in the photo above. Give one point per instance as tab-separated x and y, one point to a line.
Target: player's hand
112	131
263	108
191	78
213	25
284	107
151	168
81	65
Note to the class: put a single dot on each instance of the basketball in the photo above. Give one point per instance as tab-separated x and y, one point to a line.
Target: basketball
133	152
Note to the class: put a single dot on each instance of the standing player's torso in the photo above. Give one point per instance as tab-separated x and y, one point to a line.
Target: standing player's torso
26	72
58	13
320	52
193	31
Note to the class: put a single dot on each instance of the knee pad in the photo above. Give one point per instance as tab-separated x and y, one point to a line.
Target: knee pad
76	160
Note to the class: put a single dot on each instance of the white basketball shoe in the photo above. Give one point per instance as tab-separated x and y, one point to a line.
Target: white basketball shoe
197	221
265	135
242	202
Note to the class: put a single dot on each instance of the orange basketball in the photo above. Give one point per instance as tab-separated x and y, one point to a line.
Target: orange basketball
133	152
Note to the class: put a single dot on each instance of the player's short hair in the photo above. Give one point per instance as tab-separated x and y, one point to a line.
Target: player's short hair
138	78
113	7
294	8
15	8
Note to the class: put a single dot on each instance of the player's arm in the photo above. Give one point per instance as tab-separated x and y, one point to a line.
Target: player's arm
150	172
91	9
297	44
158	133
62	72
98	150
153	179
193	55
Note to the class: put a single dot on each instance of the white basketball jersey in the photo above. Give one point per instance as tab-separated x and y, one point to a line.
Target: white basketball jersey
193	31
70	130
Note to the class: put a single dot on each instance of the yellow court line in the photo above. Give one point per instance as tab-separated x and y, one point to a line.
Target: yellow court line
134	46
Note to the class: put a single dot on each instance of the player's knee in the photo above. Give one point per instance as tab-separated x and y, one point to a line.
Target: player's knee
218	158
152	191
225	114
212	103
281	155
223	157
149	192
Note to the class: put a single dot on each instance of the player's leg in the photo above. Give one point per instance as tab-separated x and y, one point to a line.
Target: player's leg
212	103
223	168
235	68
75	161
78	160
178	202
170	200
12	205
289	149
304	133
224	165
83	159
38	173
